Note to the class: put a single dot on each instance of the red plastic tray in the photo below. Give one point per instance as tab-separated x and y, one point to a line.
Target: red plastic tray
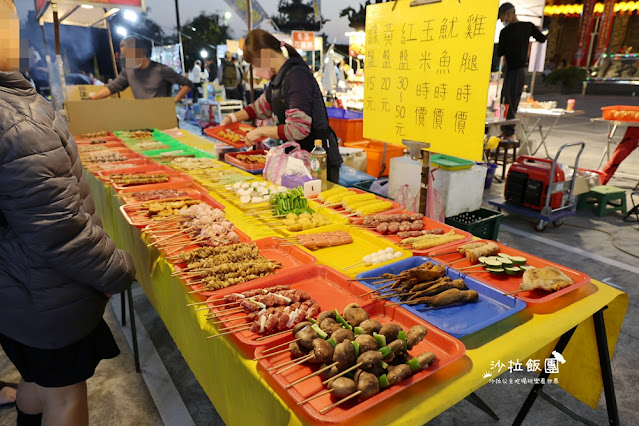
104	146
291	258
236	128
141	220
428	225
137	162
509	283
446	348
109	136
174	176
396	207
128	153
621	113
232	159
328	287
191	188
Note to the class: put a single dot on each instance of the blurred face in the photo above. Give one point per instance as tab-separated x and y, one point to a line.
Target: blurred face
507	17
9	37
264	66
133	57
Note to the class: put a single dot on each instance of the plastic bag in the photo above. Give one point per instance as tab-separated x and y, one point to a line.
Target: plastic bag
277	159
434	204
406	199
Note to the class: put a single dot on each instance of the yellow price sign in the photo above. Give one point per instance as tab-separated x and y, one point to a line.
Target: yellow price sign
428	72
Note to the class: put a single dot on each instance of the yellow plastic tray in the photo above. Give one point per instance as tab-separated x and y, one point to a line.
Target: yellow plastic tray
346	255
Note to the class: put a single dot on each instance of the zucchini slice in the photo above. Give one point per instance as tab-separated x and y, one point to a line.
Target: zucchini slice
518	260
493	263
514	270
496	271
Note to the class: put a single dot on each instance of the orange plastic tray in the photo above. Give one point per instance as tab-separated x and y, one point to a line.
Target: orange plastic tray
509	283
325	285
446	348
429	224
291	258
621	113
232	159
109	136
236	128
105	146
140	220
396	207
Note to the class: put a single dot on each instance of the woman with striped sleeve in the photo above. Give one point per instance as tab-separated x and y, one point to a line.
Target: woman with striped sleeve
293	97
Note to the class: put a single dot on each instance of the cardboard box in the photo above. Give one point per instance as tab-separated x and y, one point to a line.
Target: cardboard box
120	114
81	92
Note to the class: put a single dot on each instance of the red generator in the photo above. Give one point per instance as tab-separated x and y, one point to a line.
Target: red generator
527	183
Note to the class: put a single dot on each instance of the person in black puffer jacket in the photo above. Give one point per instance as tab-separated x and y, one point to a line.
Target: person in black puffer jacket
58	268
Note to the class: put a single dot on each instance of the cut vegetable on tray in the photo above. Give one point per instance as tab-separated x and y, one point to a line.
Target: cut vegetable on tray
291	201
305	221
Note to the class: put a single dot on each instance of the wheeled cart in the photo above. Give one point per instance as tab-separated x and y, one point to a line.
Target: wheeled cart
548	213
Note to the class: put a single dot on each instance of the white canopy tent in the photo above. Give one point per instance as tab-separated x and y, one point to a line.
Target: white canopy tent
77	13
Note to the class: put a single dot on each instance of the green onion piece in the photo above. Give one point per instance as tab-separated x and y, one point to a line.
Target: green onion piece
383	381
356	345
313	321
359	330
386	350
414	364
342	321
320	333
402	336
381	339
383	365
332	342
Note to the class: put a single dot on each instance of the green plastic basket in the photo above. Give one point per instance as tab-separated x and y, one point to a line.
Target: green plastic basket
482	223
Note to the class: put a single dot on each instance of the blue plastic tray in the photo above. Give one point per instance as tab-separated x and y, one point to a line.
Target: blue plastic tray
461	320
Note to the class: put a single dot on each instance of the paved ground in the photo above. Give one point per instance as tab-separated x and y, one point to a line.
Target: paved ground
119	396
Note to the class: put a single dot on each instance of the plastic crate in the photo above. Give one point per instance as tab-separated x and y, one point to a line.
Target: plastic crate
348	130
367	184
482	223
375	154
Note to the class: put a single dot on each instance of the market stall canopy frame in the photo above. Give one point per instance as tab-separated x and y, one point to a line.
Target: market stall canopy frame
73	12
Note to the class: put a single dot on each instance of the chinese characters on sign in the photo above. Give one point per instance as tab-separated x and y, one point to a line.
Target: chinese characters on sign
549	366
427	73
304	40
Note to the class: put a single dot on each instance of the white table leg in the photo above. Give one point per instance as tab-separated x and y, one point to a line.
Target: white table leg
612	128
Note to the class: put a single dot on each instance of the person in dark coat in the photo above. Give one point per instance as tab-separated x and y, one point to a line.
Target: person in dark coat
58	267
293	97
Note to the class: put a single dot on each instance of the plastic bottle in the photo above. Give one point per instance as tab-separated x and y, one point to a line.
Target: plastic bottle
319	164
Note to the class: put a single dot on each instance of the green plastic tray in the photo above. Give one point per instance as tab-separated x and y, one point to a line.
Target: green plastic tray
448	162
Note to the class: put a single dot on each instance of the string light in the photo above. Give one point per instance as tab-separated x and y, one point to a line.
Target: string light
577	9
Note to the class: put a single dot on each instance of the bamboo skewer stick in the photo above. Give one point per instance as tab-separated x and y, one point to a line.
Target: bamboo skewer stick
442	254
271	354
230	319
272	335
469	267
199	303
354	265
341	401
328	367
342	373
300	361
377	289
280	345
454	261
232	327
158	241
228	332
514	292
317	395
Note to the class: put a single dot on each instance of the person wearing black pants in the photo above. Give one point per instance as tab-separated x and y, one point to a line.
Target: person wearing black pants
513	44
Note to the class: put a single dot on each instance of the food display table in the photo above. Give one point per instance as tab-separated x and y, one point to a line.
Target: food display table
529	127
613	126
242	396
